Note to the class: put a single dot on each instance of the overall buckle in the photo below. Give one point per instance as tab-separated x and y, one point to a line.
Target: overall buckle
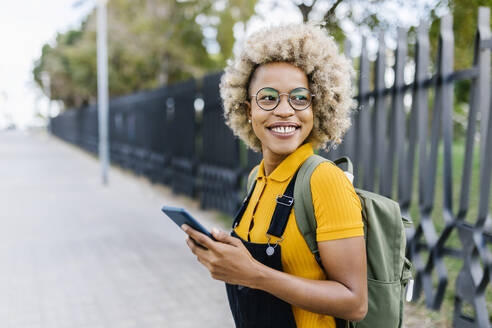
284	200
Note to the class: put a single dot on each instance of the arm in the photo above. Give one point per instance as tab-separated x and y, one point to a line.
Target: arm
344	295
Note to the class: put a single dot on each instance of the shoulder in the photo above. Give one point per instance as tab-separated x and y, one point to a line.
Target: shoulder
336	204
327	171
330	184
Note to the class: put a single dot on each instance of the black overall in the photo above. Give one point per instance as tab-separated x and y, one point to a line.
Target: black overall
253	308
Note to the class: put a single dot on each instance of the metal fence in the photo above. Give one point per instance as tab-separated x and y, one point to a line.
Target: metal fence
395	148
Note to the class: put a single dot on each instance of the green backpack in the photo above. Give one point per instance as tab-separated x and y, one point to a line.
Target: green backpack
388	270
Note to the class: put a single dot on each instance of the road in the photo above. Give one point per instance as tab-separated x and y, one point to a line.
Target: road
74	253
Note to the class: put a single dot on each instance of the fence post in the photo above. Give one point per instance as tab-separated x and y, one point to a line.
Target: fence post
379	120
426	227
446	96
420	109
479	102
446	69
397	120
363	120
356	118
473	279
399	111
418	117
348	144
420	101
482	60
219	170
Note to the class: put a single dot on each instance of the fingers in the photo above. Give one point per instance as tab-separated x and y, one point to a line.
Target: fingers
198	237
225	237
202	255
196	248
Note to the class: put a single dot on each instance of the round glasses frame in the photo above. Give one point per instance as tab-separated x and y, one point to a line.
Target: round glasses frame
288	99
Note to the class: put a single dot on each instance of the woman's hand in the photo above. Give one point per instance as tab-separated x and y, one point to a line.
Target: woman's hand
343	295
227	259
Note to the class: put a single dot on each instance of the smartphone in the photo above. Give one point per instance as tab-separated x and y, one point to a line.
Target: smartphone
180	217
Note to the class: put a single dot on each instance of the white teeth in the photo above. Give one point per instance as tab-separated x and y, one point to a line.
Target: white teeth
283	129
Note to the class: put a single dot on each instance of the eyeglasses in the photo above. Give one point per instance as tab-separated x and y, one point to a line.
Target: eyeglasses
269	98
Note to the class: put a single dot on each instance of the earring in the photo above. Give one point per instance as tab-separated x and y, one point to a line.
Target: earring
249	121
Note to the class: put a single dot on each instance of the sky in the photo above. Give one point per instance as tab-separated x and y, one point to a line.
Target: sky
26	25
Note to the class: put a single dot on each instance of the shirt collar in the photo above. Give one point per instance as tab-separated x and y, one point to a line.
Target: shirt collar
289	165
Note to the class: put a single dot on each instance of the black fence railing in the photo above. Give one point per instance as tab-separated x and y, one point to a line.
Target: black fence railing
401	138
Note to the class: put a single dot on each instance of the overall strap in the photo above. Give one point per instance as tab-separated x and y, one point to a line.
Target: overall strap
251	186
244	205
282	210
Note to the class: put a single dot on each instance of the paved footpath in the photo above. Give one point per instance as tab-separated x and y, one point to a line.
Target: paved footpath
76	254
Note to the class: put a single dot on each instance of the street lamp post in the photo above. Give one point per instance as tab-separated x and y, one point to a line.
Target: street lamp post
102	88
46	81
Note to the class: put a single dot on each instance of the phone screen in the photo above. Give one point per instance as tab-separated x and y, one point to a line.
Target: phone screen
180	216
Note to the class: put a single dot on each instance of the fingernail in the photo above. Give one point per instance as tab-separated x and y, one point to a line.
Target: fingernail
215	231
183	227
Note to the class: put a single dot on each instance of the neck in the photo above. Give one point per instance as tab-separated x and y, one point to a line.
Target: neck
271	161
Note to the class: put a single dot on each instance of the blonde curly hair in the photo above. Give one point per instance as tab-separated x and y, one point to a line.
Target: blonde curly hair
312	50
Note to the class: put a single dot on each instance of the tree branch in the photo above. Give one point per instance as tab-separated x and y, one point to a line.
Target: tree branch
305	10
330	13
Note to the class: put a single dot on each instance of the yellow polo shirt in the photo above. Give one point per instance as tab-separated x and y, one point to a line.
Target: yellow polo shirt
338	214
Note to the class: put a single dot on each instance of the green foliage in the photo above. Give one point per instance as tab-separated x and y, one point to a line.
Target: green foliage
150	42
237	11
465	18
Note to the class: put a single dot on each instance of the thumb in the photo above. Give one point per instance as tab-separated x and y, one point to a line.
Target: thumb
224	237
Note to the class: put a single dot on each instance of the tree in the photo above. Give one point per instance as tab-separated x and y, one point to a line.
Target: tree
150	43
465	17
367	17
341	17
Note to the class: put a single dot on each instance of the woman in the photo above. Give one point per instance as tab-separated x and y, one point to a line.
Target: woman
288	92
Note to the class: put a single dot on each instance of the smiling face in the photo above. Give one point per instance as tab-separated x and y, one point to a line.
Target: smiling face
283	129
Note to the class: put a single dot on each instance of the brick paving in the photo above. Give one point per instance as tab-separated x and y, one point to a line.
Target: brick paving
76	254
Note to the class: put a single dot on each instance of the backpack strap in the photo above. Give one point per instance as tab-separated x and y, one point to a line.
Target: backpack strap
304	209
303	204
349	172
347	161
252	177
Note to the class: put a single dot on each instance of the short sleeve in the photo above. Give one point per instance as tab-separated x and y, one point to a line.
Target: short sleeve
336	205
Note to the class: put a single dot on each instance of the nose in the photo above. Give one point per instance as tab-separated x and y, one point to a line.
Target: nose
284	109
